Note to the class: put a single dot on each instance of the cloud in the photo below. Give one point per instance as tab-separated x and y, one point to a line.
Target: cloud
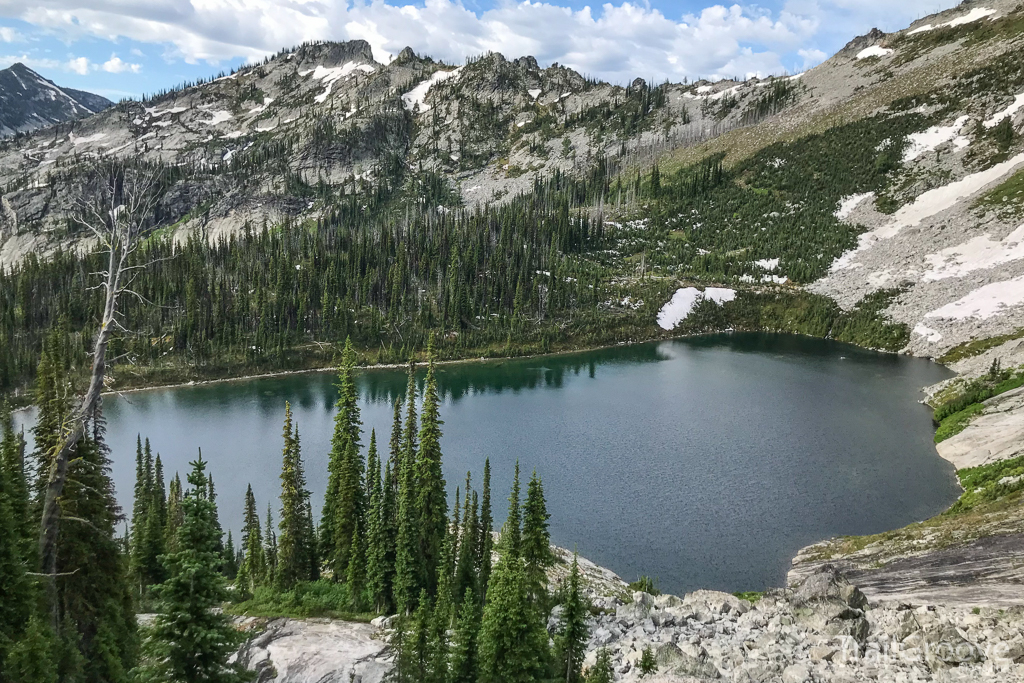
613	41
115	65
9	35
31	62
80	65
812	58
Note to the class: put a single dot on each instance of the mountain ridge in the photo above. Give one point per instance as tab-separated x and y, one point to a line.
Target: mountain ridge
29	102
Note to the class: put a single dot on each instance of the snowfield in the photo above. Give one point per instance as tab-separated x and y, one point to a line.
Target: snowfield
977	254
848	204
418	95
1018	104
686	299
929	140
874	51
927	205
985	302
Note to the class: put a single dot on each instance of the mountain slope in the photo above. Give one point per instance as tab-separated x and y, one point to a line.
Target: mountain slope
28	101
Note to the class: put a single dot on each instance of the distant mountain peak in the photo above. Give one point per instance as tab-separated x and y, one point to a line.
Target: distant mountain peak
28	101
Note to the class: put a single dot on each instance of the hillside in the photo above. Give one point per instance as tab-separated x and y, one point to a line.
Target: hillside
870	199
29	102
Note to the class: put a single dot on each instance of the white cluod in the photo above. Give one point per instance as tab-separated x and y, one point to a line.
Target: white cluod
929	140
686	299
977	254
985	302
418	95
927	205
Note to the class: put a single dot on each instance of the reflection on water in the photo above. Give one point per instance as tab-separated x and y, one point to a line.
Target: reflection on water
706	462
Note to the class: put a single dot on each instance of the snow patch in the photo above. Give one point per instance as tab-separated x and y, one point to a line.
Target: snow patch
218	117
768	263
977	254
686	299
233	135
418	95
927	205
928	333
848	204
972	16
96	137
874	51
1018	104
928	140
985	302
534	93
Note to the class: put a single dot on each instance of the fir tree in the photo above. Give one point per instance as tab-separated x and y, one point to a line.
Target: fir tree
407	581
31	659
270	549
252	571
431	502
190	642
513	642
229	565
342	502
16	604
463	662
511	532
572	634
175	514
355	576
601	671
292	544
536	540
486	542
378	576
469	539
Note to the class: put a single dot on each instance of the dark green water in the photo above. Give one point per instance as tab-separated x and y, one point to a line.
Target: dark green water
705	463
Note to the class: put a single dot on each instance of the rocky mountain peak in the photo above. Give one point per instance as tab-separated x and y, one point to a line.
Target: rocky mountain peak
28	101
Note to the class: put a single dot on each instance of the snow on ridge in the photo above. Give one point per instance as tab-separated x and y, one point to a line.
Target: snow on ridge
985	302
874	51
96	137
979	253
418	95
975	14
848	204
686	299
1018	104
927	205
928	140
768	263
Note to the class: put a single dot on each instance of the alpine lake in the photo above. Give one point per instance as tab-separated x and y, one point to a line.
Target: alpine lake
703	463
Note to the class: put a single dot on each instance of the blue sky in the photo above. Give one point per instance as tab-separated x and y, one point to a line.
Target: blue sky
123	48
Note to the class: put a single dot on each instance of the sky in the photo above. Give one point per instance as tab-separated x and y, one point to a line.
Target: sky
124	48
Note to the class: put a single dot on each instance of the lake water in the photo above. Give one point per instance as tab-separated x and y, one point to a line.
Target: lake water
706	463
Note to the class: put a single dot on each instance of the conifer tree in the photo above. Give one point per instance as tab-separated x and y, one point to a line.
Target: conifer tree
230	562
486	542
513	641
378	578
16	603
31	659
431	501
270	549
511	532
469	538
12	462
409	446
572	634
463	662
536	539
252	571
190	642
175	514
355	575
408	575
601	671
292	544
342	502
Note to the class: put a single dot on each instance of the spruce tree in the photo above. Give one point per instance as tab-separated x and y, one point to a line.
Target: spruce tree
601	671
431	501
16	604
536	539
513	641
342	504
486	543
31	659
511	532
469	539
229	564
191	642
572	634
407	581
378	578
252	571
175	514
355	575
270	549
292	549
12	462
463	661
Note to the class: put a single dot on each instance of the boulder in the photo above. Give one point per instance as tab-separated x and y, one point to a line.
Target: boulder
672	660
827	584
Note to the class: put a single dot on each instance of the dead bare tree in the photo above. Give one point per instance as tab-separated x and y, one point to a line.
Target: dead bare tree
115	216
